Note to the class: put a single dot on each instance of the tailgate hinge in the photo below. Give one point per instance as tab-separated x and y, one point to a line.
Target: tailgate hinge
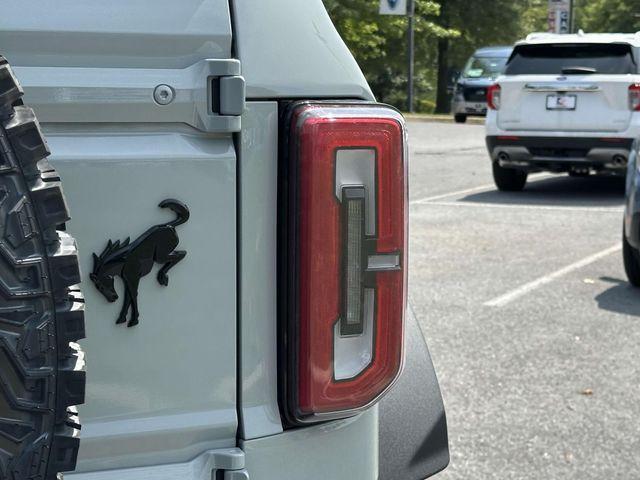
228	465
208	95
225	96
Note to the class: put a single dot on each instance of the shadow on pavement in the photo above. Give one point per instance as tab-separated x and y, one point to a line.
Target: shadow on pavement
620	298
560	191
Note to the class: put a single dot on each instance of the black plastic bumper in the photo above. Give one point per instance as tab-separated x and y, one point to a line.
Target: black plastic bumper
414	443
560	153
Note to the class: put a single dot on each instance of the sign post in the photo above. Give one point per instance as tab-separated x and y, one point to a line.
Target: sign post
407	8
412	49
560	16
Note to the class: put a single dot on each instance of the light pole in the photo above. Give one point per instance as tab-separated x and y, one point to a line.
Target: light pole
411	10
572	16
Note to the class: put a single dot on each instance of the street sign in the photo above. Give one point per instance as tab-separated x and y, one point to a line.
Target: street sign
560	16
393	7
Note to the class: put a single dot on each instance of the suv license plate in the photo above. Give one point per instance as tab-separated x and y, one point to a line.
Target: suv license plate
562	102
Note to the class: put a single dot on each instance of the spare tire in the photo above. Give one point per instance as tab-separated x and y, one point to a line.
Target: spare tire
42	375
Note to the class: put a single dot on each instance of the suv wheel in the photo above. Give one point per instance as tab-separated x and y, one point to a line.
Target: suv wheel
509	179
460	118
631	258
42	375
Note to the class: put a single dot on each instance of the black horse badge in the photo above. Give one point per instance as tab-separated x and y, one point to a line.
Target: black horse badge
133	260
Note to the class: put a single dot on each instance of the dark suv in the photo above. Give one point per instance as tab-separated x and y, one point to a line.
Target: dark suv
470	94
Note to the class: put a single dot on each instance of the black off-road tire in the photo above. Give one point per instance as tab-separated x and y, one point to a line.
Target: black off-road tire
509	179
42	375
631	258
460	118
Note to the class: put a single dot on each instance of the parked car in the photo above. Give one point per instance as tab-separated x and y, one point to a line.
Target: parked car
631	229
244	248
480	72
565	104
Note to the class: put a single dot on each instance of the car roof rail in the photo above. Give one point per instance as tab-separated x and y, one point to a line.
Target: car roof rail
535	35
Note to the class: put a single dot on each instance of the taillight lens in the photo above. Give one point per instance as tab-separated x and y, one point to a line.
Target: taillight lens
343	258
494	96
634	97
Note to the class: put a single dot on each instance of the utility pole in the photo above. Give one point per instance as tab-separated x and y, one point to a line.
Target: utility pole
572	16
411	10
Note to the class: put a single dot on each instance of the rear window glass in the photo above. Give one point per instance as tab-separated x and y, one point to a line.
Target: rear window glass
484	67
569	59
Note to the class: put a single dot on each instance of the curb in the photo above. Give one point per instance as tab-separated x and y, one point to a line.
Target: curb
441	119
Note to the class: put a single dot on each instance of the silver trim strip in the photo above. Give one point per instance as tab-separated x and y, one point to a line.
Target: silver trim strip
558	87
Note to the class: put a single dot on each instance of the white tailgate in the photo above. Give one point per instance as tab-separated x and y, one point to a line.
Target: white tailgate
163	391
601	103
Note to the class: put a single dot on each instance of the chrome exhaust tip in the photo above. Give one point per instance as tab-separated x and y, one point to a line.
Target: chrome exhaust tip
620	160
503	157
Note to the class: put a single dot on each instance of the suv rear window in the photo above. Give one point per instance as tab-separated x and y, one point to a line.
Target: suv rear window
568	59
484	67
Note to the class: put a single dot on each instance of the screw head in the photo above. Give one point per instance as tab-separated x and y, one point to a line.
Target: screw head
163	94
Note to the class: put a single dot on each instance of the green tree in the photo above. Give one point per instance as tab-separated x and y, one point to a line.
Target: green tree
480	23
533	16
609	15
447	33
379	44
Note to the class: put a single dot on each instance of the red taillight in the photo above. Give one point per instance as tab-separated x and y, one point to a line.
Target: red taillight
634	97
344	249
494	96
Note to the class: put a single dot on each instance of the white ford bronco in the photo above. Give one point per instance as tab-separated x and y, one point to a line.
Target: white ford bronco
239	201
566	103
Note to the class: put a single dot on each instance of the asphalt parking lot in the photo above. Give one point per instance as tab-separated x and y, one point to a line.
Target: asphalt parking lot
534	332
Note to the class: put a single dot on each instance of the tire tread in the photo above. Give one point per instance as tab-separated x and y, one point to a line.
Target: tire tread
42	375
631	258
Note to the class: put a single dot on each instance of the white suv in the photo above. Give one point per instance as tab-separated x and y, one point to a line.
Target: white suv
565	104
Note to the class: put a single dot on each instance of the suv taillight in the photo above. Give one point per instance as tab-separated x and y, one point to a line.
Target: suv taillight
494	96
343	254
634	97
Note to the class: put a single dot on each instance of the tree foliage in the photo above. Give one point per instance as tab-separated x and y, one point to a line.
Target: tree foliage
609	15
479	23
447	33
380	44
482	23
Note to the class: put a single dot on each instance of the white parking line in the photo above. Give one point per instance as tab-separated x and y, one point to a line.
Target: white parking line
453	194
520	206
488	187
449	152
531	286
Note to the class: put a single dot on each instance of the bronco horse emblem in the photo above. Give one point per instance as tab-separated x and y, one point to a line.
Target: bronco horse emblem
133	260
